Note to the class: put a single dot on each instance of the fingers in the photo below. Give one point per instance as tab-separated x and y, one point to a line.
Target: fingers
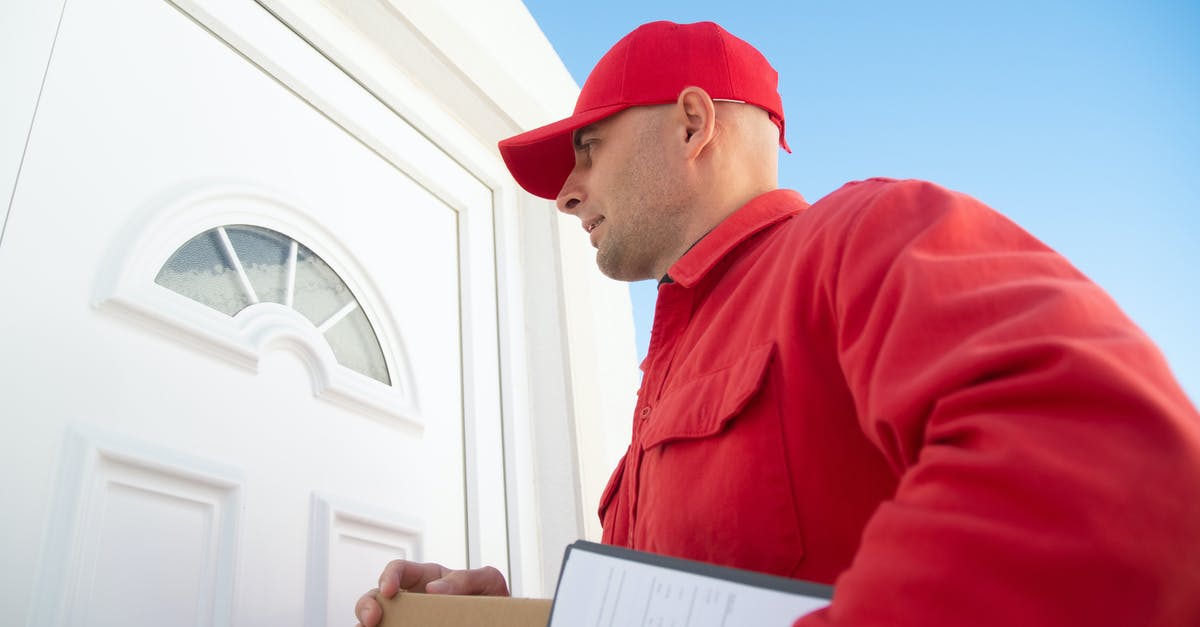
478	581
404	575
431	578
367	610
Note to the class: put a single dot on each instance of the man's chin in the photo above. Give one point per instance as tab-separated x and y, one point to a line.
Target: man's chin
608	267
617	272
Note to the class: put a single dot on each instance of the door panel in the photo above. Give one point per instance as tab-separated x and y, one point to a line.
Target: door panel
148	473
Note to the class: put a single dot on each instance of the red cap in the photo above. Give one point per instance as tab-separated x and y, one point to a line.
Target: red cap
649	66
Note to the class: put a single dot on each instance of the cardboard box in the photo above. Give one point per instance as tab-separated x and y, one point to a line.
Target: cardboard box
410	609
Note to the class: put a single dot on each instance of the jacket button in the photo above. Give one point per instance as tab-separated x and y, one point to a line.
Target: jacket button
645	412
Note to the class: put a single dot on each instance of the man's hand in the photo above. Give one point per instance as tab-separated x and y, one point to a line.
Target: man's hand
429	578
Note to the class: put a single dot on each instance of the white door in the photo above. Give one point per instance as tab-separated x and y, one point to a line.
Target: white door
194	431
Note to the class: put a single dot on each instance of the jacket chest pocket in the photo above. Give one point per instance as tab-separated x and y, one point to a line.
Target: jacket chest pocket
714	484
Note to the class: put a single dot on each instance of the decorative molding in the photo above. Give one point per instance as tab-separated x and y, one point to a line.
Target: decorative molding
335	521
99	471
126	287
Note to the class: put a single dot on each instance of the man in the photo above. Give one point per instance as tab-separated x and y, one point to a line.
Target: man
895	390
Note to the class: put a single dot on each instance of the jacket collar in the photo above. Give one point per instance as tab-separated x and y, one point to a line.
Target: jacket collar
761	212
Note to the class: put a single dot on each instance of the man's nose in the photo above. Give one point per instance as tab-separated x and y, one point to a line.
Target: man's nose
570	196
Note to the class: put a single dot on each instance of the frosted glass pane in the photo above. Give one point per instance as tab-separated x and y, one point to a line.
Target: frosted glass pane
263	254
199	271
320	292
356	347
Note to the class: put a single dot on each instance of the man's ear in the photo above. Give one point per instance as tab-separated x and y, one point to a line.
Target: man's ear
699	117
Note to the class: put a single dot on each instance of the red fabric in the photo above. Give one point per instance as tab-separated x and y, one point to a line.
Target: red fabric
650	65
900	392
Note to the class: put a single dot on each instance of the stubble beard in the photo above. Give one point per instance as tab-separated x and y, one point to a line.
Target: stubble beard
652	214
633	249
614	259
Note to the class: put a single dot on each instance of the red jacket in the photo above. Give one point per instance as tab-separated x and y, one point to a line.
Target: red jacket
900	392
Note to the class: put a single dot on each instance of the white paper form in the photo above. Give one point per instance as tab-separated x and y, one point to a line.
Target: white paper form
599	590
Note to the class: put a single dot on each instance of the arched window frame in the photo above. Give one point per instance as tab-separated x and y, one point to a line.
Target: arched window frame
126	287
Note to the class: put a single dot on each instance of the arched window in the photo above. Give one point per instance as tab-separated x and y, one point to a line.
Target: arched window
232	267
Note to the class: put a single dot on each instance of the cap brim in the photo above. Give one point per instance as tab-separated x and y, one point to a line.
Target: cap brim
541	159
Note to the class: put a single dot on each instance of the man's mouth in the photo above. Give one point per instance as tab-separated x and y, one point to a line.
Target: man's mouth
591	226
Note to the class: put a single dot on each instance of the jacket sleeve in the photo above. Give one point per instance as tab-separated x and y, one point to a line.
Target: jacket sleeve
1048	463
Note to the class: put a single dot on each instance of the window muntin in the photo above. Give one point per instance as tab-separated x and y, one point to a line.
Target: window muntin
232	267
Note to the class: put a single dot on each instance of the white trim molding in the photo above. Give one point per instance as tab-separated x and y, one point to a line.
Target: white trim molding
126	287
99	471
335	520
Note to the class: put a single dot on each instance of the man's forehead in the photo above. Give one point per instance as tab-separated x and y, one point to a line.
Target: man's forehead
600	124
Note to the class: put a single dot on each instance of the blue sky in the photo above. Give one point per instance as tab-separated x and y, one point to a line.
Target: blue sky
1078	120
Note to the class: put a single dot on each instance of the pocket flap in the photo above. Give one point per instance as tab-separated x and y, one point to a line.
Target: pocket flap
700	407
